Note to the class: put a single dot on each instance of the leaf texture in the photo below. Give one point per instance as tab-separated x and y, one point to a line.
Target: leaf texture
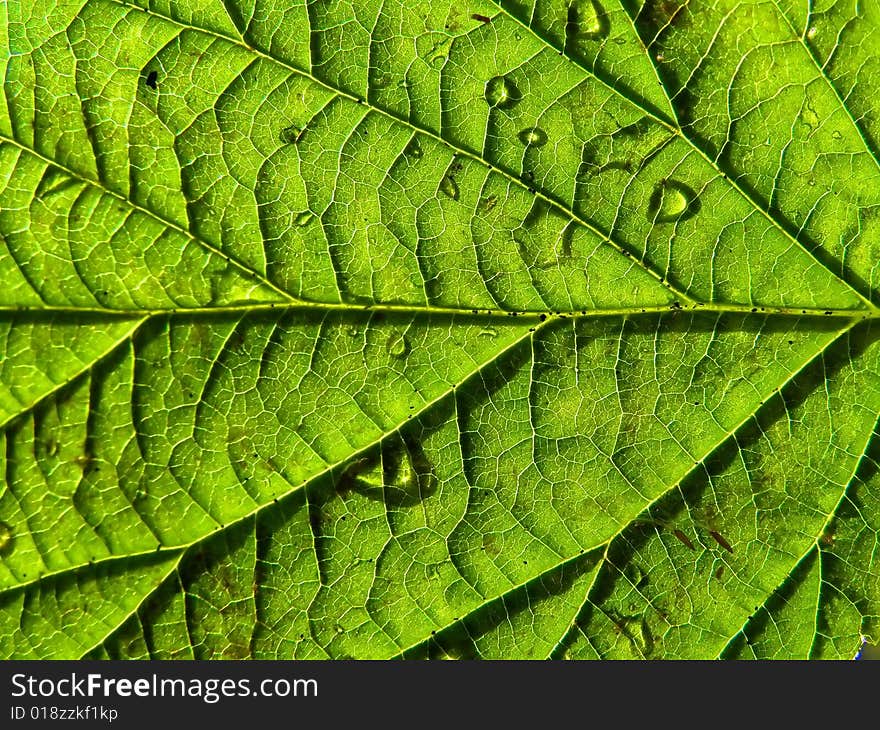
427	330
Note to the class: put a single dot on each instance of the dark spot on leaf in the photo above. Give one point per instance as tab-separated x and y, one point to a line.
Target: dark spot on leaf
152	79
717	537
481	18
683	539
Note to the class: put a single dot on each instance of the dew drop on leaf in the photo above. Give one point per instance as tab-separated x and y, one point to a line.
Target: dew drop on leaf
672	201
414	149
291	134
449	187
397	345
438	53
381	80
51	447
486	204
587	20
533	137
303	218
399	473
501	92
6	538
637	129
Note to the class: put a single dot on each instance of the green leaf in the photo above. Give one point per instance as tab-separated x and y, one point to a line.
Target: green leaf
393	329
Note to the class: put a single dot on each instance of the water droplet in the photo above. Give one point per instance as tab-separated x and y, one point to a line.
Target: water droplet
339	629
6	538
439	52
659	57
489	332
365	474
84	462
303	218
636	576
51	447
54	181
809	117
352	331
447	656
449	187
836	134
811	33
501	93
587	20
672	201
381	80
486	204
397	345
638	128
414	149
406	471
544	237
291	134
460	597
399	473
533	137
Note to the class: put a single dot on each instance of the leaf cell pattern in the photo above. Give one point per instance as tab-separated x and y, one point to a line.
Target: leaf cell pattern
378	329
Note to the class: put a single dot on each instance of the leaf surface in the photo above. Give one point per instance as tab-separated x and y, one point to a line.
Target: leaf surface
386	329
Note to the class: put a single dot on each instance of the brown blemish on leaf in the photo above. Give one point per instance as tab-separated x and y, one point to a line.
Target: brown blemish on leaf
717	537
684	539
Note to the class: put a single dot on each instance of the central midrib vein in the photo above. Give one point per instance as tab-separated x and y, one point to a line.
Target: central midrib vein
867	313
